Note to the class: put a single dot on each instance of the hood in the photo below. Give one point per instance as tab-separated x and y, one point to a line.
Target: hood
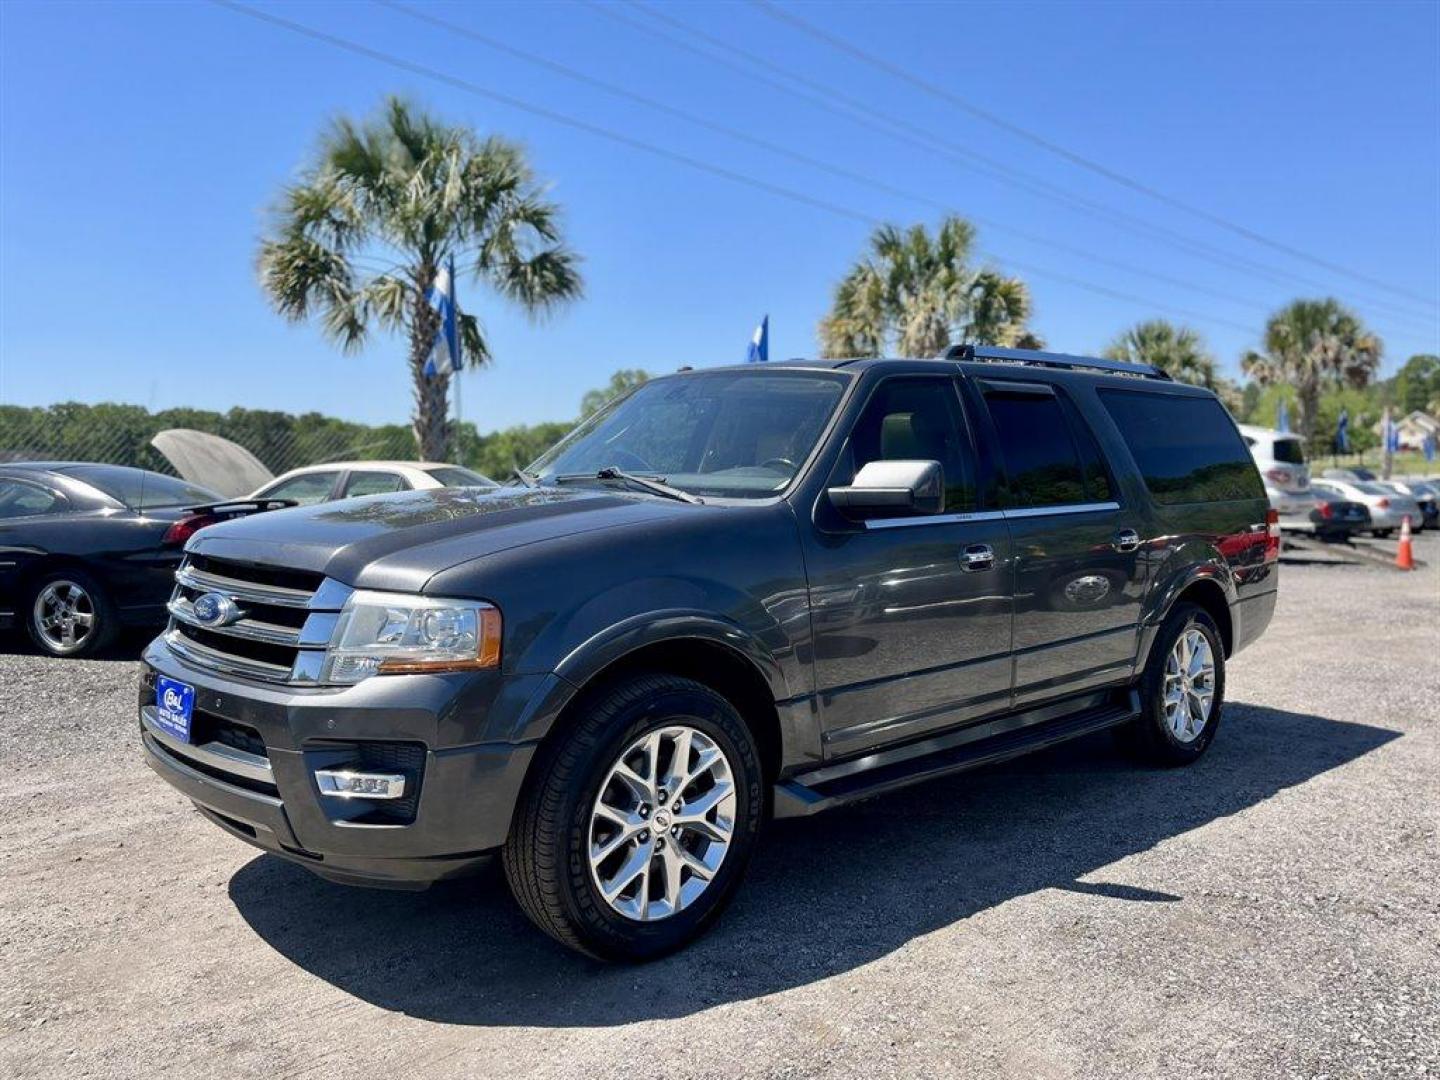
212	462
400	541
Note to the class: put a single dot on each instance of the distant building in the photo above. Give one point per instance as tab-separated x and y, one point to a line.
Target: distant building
1414	429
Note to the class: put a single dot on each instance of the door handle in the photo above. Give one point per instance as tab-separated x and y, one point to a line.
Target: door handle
1126	540
978	557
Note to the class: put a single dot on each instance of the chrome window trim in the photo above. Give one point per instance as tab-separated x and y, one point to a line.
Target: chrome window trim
933	519
1063	508
990	515
215	755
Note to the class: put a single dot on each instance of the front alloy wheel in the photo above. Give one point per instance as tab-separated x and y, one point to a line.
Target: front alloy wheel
662	823
638	818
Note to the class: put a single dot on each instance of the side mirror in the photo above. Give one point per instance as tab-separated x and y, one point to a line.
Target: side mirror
892	489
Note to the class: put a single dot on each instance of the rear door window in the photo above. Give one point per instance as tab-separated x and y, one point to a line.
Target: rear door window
20	499
1042	462
1187	448
374	482
304	489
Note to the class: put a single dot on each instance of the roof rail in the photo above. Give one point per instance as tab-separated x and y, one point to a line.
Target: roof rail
992	355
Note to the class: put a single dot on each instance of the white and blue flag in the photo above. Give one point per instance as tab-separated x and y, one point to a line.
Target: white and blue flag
759	351
1342	432
1282	415
445	350
1392	434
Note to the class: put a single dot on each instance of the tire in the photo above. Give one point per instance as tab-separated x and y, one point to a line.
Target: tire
87	622
1153	735
558	822
1381	534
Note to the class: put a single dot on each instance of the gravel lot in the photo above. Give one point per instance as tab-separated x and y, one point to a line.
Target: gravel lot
1274	911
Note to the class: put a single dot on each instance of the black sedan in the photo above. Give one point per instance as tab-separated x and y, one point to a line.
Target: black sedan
1335	518
86	549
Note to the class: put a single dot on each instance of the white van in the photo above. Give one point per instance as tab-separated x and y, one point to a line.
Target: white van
1280	456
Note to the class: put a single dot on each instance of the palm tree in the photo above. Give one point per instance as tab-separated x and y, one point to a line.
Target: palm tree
917	295
1176	350
383	206
1311	345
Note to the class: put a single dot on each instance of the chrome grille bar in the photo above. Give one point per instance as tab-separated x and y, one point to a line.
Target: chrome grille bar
279	596
251	629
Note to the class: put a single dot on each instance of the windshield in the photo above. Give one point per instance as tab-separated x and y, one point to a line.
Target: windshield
731	434
141	490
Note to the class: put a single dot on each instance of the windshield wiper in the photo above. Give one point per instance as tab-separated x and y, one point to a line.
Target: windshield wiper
525	478
645	483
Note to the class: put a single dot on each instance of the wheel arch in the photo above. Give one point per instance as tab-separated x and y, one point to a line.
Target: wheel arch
1209	586
710	651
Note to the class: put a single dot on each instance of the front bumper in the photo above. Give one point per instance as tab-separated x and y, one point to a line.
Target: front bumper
466	785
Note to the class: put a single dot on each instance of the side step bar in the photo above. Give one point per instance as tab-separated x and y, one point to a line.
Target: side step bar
1009	736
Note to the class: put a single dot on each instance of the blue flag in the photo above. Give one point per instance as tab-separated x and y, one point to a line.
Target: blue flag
759	351
1342	433
1429	447
1282	416
445	349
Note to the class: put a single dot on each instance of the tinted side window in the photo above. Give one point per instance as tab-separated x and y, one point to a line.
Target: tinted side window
1098	486
1042	463
1187	449
304	489
918	419
375	483
455	476
19	499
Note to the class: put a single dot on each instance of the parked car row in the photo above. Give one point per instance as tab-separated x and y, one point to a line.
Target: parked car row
1342	502
87	550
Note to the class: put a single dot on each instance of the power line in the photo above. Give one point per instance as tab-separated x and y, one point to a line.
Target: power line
825	97
466	86
794	155
840	44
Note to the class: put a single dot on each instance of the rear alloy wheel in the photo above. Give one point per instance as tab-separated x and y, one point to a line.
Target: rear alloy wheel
638	819
70	615
1182	690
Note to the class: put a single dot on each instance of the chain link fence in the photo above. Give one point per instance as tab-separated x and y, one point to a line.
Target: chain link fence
122	434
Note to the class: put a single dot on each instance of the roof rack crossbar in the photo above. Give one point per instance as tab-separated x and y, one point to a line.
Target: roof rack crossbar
992	355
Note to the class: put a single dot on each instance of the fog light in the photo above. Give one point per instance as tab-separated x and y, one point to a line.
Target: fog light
345	784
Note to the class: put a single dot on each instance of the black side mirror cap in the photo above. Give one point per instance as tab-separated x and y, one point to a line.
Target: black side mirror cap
892	489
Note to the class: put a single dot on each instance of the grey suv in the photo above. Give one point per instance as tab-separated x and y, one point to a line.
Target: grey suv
736	593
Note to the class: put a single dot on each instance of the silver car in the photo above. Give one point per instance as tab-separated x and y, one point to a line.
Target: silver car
1388	508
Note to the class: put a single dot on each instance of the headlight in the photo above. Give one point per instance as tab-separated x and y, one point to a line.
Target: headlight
389	633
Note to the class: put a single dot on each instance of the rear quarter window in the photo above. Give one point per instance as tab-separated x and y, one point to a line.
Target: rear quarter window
1187	448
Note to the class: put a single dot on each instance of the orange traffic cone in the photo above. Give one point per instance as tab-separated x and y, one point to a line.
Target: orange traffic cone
1404	554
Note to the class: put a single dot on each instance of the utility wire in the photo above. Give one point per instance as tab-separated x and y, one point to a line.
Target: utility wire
897	71
697	164
794	155
825	97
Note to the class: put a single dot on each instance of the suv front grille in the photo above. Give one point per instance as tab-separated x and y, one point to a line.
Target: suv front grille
285	619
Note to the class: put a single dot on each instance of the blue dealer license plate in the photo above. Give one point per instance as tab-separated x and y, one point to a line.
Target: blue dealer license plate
174	702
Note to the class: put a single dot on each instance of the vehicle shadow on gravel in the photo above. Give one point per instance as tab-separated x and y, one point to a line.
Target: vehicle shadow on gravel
824	895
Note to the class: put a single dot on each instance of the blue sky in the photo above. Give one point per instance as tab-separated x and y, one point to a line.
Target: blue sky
140	145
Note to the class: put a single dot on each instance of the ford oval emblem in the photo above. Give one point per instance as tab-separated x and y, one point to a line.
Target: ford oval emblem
215	609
